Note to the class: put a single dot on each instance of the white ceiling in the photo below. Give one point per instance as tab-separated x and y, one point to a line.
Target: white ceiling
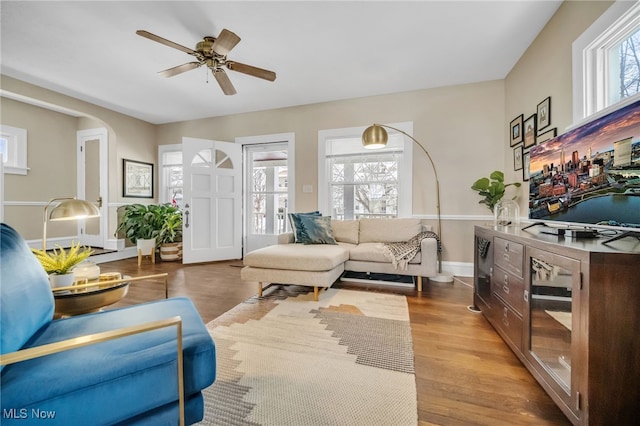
321	50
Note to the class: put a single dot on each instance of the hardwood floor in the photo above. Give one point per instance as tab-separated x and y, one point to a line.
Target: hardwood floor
465	373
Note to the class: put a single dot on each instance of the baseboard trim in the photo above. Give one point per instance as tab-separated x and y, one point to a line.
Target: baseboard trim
460	269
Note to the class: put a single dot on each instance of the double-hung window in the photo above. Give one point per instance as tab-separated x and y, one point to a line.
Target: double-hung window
355	182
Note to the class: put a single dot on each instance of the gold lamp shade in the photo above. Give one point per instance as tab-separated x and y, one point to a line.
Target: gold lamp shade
71	209
374	137
68	208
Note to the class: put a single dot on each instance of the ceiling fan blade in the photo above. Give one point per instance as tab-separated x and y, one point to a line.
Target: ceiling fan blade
224	82
166	42
225	42
250	70
179	69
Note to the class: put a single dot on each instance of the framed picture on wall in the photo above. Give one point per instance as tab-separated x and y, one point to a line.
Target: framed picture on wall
517	158
525	165
137	179
549	134
515	130
544	113
529	126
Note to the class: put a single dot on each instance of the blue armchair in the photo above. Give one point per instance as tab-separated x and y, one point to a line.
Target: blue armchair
144	364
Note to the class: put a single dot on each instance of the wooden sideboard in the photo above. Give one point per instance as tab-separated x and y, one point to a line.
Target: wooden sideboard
570	310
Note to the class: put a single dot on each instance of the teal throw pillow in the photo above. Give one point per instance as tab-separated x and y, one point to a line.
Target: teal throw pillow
296	228
316	230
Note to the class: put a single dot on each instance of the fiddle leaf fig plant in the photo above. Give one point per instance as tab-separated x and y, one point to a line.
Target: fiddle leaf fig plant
492	188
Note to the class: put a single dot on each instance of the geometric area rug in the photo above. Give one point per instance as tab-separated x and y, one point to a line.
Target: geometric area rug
284	359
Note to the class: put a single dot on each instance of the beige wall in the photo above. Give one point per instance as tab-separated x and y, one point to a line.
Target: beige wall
128	138
458	125
51	147
544	70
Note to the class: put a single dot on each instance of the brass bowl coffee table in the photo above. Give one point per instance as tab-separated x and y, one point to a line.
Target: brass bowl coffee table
94	295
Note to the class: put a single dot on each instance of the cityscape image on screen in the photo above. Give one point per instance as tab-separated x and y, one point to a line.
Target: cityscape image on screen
591	174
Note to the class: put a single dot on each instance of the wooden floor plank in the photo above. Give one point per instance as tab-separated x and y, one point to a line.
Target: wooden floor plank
465	373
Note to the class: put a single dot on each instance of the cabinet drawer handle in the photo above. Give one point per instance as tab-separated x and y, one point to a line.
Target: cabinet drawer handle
505	317
505	288
506	256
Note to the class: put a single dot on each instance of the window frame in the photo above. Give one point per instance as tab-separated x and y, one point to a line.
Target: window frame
16	149
589	51
163	149
405	166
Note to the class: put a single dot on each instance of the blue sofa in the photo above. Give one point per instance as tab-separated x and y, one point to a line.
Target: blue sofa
120	366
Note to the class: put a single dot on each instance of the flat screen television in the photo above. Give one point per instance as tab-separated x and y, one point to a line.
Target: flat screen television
590	175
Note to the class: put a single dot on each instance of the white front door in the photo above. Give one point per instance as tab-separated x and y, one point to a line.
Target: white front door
93	182
212	186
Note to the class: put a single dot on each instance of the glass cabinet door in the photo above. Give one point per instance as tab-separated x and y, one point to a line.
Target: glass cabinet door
553	319
483	269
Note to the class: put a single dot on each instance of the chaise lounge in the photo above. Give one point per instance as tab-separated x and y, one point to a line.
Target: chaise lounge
359	247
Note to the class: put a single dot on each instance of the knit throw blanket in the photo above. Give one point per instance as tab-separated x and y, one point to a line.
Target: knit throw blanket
402	252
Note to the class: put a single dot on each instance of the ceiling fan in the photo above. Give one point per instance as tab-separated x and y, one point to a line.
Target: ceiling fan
212	52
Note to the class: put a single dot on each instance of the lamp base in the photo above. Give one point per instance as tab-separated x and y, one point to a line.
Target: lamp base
442	277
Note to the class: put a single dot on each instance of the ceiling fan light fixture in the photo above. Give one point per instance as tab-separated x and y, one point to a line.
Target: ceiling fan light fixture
212	52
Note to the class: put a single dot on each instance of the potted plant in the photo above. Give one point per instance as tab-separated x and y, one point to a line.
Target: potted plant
141	224
59	263
492	189
170	235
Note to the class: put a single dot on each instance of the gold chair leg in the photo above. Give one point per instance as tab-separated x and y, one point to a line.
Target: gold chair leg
419	283
139	257
260	289
315	294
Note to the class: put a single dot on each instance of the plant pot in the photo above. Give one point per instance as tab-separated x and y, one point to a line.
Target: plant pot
146	246
61	280
171	251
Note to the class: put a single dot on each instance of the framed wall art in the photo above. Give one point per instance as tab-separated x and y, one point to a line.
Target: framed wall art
544	113
549	134
517	158
529	126
137	179
515	130
525	166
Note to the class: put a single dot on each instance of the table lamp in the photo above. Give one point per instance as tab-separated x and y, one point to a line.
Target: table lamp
68	208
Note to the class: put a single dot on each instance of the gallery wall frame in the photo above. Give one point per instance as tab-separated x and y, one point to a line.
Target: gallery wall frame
526	157
545	136
515	130
137	179
517	158
530	129
544	113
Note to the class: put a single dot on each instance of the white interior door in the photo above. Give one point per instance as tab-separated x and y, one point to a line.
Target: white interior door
93	183
212	185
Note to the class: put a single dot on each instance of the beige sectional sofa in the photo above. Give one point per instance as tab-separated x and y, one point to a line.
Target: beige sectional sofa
360	248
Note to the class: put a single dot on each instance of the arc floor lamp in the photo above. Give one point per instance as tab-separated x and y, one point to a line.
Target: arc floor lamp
376	137
68	208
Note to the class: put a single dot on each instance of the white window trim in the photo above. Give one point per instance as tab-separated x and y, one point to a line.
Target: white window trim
18	145
588	93
405	169
162	149
290	140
